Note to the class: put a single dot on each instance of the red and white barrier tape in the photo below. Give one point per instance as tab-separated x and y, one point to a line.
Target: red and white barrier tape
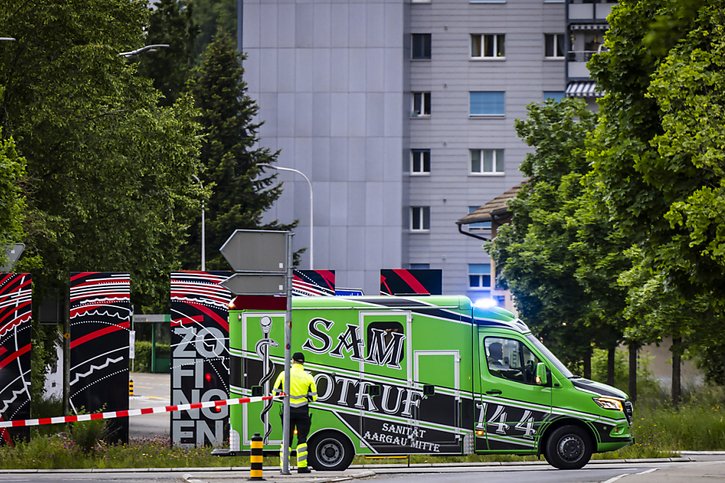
133	412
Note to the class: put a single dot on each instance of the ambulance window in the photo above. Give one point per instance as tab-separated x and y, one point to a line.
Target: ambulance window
385	343
510	359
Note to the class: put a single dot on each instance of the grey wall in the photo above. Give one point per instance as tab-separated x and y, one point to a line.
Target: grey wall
328	76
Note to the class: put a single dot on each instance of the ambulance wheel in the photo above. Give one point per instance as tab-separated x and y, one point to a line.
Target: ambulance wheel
568	448
330	451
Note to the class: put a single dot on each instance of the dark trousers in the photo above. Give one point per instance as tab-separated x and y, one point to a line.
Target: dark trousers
300	419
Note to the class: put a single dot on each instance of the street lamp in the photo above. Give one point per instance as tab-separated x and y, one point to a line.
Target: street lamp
312	206
151	48
203	227
9	39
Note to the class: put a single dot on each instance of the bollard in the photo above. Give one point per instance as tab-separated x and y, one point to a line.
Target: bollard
130	388
256	458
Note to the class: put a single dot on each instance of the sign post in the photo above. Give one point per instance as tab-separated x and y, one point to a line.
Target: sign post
262	262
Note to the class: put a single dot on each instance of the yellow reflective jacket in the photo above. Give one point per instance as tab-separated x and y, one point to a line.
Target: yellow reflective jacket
302	386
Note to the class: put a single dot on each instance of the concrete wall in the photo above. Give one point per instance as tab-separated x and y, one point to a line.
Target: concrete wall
328	77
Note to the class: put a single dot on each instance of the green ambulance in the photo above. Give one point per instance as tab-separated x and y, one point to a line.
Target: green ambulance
419	375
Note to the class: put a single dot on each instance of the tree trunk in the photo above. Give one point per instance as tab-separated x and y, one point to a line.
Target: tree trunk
588	364
610	364
633	349
676	373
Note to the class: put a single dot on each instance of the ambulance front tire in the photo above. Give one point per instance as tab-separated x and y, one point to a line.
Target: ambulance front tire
330	451
568	448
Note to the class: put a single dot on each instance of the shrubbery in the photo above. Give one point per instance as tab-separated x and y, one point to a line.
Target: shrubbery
142	361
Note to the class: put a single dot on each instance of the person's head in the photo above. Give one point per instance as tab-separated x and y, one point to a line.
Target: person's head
298	357
495	351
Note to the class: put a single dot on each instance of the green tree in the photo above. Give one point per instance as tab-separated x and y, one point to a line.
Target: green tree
170	23
653	156
533	251
241	193
12	200
109	172
690	173
211	16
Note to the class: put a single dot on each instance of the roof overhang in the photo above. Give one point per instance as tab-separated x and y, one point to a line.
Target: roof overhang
583	89
495	210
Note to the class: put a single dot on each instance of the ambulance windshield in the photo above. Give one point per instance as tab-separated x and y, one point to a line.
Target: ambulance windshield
549	355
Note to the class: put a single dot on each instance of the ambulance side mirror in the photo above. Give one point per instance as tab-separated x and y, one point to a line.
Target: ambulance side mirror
429	389
373	390
256	391
542	378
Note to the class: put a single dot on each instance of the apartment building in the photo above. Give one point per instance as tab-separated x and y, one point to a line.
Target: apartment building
401	113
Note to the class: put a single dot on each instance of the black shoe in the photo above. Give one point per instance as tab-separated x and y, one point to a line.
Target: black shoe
304	470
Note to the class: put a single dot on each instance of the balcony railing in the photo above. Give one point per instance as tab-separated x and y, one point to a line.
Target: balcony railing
580	55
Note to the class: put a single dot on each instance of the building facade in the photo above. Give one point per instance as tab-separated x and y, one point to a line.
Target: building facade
401	113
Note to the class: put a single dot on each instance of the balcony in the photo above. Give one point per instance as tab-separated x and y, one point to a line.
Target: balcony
577	63
589	11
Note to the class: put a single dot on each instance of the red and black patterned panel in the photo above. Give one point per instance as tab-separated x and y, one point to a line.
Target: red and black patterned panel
313	282
15	330
100	321
199	356
401	281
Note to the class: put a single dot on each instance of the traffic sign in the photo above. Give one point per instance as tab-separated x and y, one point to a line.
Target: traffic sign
256	284
12	254
256	251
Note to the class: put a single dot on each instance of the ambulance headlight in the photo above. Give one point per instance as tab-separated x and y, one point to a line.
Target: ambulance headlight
609	403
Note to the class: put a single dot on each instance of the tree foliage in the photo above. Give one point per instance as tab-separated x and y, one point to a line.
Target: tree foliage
170	23
109	172
12	200
534	250
241	193
657	158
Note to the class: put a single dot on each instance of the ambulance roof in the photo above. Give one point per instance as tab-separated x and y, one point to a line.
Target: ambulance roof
456	307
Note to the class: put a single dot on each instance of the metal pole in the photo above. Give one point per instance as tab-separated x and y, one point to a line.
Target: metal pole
312	207
203	238
287	358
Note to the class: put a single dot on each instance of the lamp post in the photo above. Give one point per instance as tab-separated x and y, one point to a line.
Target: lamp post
203	227
145	48
312	206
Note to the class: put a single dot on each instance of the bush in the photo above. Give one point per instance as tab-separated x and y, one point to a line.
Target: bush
142	361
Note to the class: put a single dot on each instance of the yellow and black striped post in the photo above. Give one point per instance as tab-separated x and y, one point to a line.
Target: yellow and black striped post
130	387
256	458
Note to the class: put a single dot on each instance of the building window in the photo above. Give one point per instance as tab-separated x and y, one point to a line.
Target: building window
555	95
481	226
421	104
487	103
487	161
488	46
479	276
420	161
554	46
421	47
420	218
419	266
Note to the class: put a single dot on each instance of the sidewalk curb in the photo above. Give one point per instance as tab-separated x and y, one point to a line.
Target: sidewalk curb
189	478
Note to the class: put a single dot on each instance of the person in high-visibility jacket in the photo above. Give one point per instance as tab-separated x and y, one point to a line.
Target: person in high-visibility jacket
303	390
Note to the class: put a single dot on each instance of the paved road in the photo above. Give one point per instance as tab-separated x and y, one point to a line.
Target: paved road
704	470
149	390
